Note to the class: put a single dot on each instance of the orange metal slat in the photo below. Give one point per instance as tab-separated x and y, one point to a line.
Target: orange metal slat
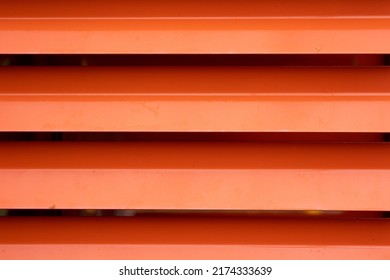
193	8
195	99
193	238
191	36
239	176
193	27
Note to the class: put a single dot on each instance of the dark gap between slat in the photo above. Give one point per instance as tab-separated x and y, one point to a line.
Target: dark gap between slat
309	137
197	60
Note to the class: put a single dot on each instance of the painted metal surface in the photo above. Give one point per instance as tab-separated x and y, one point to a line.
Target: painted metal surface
193	9
185	175
193	238
240	99
195	27
230	170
